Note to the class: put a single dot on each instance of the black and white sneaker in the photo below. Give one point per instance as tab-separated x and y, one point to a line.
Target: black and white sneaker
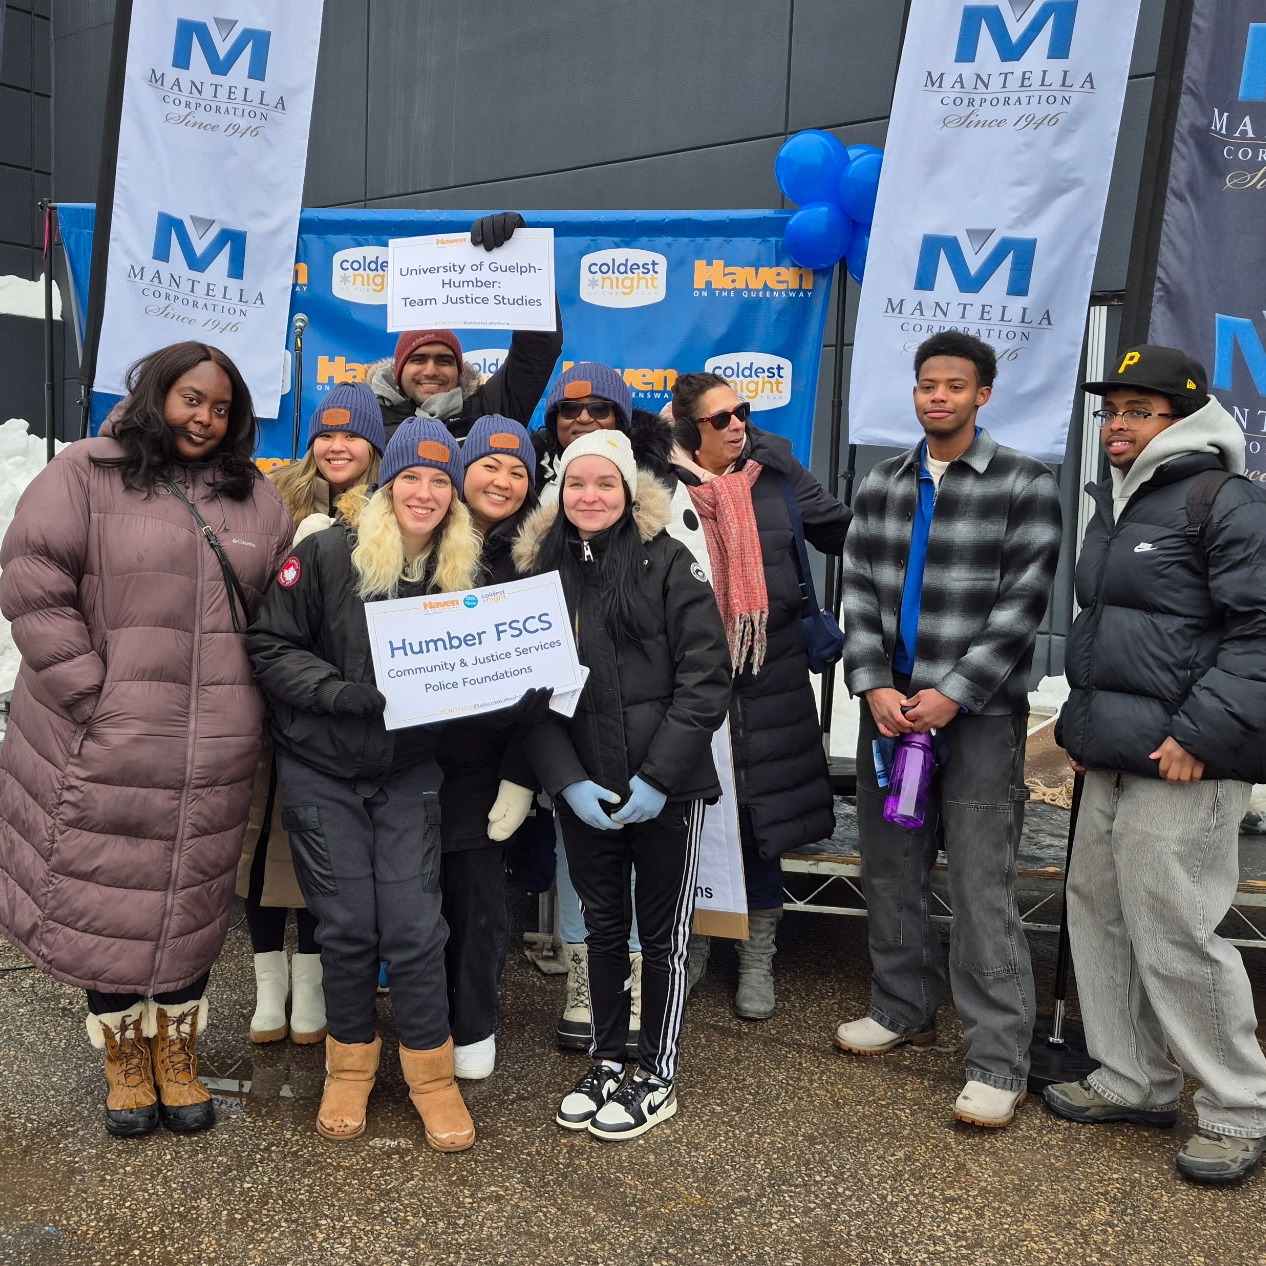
587	1097
637	1106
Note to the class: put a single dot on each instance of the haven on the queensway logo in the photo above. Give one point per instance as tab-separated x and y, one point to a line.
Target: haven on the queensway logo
763	380
1058	17
623	278
219	55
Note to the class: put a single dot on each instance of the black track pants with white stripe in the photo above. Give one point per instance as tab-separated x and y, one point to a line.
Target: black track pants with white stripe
665	853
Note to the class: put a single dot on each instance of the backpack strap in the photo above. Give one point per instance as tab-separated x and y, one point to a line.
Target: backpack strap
1200	498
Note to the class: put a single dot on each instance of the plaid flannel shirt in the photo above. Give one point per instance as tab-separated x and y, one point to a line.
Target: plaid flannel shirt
991	559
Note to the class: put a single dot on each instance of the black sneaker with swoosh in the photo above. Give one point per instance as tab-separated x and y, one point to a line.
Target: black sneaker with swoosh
588	1095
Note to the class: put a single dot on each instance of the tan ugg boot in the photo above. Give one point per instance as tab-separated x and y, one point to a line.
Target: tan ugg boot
131	1100
350	1069
437	1098
184	1102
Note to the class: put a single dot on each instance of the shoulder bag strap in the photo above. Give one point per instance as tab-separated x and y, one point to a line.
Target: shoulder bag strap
808	596
231	582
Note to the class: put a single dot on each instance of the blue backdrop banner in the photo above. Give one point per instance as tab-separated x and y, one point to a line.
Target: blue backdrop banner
654	293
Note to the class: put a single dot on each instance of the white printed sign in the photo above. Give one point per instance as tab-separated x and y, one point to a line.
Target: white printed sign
720	893
448	655
209	257
442	280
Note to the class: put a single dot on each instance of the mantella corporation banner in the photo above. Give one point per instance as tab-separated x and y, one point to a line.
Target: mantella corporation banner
653	293
1209	296
995	175
213	139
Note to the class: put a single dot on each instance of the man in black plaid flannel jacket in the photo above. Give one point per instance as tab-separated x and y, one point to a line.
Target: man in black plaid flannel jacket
948	568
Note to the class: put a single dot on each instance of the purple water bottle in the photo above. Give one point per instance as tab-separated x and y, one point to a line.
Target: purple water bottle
908	784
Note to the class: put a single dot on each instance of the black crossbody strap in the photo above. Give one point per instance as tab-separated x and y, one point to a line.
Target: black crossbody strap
808	596
231	582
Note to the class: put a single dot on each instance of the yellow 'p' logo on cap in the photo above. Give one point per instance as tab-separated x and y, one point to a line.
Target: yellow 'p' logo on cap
1131	358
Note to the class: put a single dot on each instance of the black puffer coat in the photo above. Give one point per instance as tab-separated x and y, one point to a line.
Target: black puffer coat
1171	638
779	764
651	710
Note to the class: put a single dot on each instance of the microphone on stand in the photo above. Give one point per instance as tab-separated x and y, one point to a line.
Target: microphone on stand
298	324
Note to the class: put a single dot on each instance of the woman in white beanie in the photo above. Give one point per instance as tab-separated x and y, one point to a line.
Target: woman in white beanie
631	771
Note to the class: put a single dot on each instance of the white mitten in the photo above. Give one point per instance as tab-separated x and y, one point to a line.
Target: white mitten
507	813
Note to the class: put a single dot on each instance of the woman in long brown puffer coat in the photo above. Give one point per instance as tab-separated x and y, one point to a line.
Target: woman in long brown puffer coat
131	569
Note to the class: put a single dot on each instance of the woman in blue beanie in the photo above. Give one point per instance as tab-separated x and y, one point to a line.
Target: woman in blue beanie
361	802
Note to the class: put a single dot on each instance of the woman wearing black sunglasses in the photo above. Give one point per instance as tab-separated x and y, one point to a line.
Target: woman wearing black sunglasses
739	479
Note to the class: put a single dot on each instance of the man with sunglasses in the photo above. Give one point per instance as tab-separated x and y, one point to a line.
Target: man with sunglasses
427	376
947	573
1166	721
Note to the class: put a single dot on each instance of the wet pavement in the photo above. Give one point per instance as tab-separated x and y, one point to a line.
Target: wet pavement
783	1151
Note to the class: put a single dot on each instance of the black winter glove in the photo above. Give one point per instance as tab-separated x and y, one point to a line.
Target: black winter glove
491	231
531	708
358	699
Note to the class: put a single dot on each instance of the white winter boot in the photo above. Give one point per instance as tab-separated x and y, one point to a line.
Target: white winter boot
307	1000
268	1024
575	1025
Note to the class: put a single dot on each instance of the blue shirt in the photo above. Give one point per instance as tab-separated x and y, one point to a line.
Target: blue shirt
912	590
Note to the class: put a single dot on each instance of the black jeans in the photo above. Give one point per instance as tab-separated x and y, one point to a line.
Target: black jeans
108	1003
665	852
367	854
473	887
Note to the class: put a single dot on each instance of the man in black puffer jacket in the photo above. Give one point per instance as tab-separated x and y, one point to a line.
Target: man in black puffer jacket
1167	663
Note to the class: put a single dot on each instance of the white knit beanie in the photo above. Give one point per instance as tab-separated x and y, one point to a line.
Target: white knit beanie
613	445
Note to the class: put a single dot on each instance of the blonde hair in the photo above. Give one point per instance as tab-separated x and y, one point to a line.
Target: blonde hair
378	556
300	484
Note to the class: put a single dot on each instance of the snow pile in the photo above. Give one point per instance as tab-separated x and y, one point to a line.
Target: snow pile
22	457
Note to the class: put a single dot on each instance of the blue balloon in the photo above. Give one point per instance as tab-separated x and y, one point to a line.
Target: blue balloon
858	186
817	235
809	166
857	249
856	151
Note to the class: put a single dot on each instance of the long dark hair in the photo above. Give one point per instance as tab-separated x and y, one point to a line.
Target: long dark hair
621	564
149	448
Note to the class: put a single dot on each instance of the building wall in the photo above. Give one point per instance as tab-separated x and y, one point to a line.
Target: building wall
584	104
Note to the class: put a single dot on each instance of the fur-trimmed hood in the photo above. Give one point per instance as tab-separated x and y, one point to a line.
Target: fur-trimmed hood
381	380
652	511
650	435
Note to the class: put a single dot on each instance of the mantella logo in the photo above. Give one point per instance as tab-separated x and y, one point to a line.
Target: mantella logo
487	360
225	66
190	247
971	267
219	55
359	274
764	381
1059	15
1244	132
937	246
1232	333
1253	78
625	278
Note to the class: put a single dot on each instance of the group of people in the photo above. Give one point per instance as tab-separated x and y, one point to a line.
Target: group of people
172	605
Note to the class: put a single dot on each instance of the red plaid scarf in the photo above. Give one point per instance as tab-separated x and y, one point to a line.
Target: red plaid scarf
724	504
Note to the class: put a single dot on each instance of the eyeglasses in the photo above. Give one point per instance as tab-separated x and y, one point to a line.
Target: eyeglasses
1104	416
719	421
599	410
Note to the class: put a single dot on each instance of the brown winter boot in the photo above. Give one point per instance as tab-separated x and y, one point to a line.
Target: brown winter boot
437	1098
184	1102
131	1100
350	1069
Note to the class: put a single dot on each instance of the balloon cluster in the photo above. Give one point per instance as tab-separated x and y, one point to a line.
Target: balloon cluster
834	186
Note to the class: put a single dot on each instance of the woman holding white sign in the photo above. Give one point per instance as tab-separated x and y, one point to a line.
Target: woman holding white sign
361	802
479	809
632	770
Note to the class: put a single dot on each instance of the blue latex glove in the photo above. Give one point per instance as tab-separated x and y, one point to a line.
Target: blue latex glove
644	802
585	799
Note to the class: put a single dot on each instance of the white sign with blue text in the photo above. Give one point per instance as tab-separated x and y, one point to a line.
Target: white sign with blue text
440	281
448	655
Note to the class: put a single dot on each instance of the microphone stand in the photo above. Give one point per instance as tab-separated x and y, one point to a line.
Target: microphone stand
300	324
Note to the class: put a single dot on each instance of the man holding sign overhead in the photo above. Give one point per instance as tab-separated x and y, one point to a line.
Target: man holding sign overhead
427	376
